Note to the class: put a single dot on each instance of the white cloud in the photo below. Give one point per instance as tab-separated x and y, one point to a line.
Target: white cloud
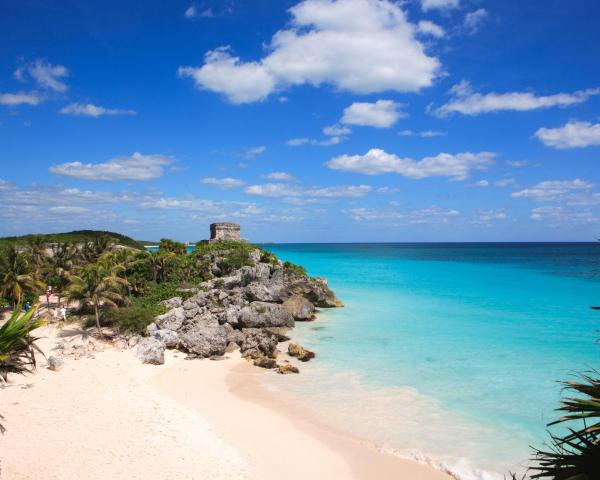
361	46
69	210
429	28
133	167
328	142
474	20
227	182
336	130
481	184
432	215
572	134
521	163
191	12
20	98
381	114
484	216
551	190
422	134
272	190
377	162
239	82
560	216
47	76
90	110
504	182
280	176
439	4
468	102
339	191
287	190
210	12
254	151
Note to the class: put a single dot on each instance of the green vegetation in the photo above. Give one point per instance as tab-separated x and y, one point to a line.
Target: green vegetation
292	267
171	246
574	455
17	345
131	319
77	236
16	276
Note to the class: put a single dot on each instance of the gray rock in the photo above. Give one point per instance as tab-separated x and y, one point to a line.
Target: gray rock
263	314
55	363
263	292
257	273
174	302
150	350
255	255
231	347
204	339
300	308
150	329
168	337
257	343
172	320
133	341
301	353
265	362
231	316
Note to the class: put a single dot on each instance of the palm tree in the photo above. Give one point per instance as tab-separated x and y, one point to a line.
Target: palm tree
16	277
99	286
37	250
158	263
17	345
60	266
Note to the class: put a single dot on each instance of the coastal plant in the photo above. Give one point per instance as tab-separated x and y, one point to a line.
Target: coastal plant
168	245
298	269
17	344
131	319
16	276
98	286
158	264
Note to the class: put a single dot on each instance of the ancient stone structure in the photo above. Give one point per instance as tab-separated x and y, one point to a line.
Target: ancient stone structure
225	231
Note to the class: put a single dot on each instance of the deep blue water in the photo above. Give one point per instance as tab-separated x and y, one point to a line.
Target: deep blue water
450	350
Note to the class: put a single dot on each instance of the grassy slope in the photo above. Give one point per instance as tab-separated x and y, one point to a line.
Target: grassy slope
78	236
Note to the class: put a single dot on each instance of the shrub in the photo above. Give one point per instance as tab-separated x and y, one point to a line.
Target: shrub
156	293
132	319
17	344
292	267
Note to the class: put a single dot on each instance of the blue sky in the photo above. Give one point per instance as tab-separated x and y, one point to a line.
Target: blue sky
319	120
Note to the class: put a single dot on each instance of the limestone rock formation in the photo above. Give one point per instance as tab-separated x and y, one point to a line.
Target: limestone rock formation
299	307
301	353
150	350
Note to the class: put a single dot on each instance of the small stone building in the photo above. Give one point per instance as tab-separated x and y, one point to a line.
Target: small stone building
225	231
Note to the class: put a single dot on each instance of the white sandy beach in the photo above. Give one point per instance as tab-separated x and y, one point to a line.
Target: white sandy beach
110	417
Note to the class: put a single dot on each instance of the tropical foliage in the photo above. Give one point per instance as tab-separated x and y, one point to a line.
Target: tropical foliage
17	344
17	276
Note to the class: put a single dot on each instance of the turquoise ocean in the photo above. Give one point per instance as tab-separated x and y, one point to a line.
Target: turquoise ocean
448	353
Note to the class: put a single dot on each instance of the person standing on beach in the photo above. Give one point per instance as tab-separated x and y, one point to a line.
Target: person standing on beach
63	313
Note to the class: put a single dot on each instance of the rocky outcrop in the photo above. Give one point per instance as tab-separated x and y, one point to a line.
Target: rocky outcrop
300	352
150	350
251	308
55	363
264	314
300	308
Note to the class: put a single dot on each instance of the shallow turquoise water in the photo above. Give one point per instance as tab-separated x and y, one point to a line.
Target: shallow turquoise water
450	350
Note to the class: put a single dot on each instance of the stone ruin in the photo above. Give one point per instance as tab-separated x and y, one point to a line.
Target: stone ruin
225	231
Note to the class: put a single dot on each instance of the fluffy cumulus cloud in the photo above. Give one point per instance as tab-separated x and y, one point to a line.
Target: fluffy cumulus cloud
20	98
376	162
361	46
380	114
45	75
468	102
439	4
427	27
227	182
573	134
561	216
552	190
483	216
133	167
91	110
481	184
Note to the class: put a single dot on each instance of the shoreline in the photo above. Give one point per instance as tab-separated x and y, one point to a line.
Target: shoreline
106	415
332	454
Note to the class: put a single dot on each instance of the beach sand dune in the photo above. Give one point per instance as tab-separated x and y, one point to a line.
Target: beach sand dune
110	417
